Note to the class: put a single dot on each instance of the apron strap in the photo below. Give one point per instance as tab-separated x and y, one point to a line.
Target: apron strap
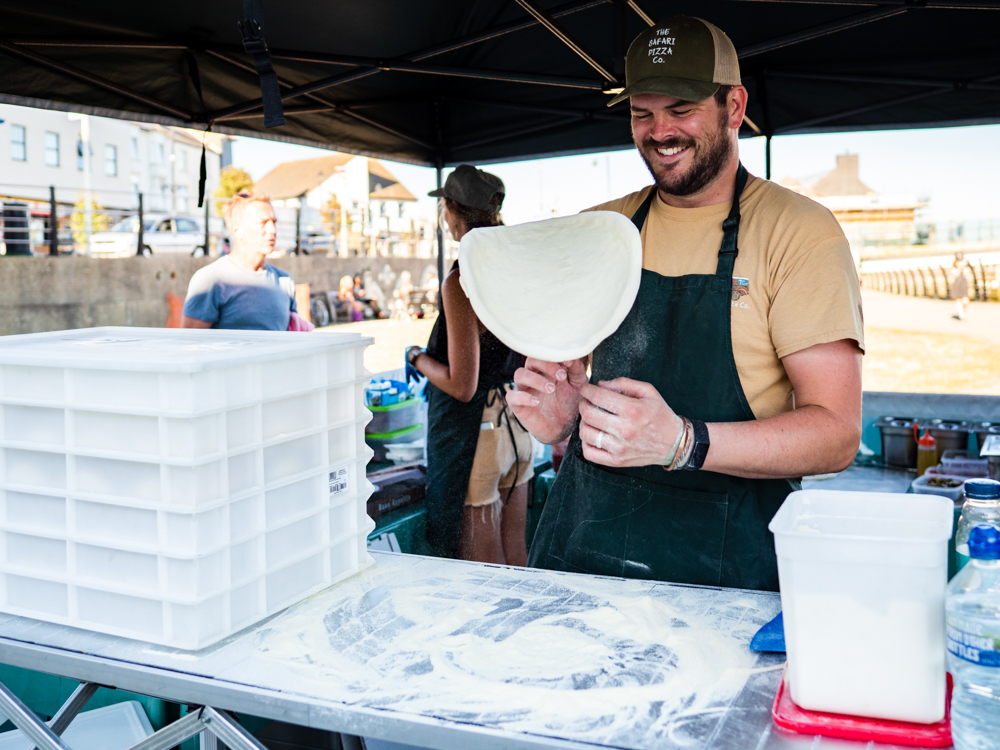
639	217
731	230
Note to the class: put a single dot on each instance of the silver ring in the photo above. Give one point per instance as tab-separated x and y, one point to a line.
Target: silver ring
600	439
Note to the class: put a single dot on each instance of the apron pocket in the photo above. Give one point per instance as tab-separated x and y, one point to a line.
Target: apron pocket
636	529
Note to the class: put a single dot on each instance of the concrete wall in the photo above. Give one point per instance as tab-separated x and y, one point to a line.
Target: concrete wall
52	294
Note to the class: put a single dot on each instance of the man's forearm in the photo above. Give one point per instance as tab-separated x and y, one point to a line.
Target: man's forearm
808	440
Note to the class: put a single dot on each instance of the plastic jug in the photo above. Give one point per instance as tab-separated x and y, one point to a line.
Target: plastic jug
926	451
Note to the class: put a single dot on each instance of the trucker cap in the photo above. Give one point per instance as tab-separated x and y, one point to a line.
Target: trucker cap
471	187
683	57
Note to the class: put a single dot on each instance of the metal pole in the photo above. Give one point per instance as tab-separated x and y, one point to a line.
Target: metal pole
24	719
440	239
138	250
207	202
53	223
88	203
298	225
767	156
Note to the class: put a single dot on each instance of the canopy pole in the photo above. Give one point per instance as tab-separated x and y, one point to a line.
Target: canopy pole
439	166
767	157
440	238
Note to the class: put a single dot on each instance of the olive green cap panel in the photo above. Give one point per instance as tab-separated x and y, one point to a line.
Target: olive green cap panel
684	57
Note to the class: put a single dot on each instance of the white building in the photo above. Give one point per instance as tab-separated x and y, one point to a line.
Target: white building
41	148
347	205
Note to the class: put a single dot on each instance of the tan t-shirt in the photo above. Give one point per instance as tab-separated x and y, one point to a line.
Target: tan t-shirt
794	277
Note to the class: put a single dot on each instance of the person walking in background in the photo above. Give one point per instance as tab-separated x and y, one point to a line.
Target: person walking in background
959	287
479	457
242	290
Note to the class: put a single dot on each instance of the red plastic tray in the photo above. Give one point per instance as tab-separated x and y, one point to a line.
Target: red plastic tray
789	716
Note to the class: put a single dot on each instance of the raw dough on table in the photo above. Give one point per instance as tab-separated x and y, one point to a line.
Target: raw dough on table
553	289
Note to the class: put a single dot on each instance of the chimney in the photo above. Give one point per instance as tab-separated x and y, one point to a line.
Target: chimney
847	164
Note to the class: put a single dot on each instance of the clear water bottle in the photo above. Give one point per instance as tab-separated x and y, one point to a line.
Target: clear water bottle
972	614
982	505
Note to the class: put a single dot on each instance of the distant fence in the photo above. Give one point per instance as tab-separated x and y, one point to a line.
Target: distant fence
934	281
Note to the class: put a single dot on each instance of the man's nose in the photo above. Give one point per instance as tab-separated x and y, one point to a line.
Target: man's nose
663	128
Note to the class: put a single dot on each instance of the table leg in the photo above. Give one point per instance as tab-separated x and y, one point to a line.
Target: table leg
73	705
214	725
24	719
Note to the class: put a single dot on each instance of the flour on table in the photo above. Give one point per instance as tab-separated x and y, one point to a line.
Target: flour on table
556	661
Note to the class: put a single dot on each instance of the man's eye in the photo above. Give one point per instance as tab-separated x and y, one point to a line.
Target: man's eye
640	115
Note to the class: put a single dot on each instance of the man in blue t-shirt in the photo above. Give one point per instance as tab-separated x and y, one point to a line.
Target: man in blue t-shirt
241	290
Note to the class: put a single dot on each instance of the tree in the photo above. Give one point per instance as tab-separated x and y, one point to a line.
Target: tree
330	214
99	222
232	180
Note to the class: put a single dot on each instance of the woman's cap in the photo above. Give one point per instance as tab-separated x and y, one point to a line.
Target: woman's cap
471	187
683	57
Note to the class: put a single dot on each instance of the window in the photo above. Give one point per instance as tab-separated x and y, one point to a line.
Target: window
182	160
186	225
164	226
79	156
18	149
135	147
111	160
52	149
160	154
182	198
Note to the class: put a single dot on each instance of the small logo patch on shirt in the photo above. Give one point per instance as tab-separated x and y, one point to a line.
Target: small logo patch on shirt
741	288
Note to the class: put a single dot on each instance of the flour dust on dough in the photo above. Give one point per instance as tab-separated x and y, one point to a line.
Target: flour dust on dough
553	289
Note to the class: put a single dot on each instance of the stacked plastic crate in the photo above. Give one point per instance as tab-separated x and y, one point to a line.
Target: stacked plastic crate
177	486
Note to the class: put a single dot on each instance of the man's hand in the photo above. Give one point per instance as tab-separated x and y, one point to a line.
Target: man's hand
626	423
547	398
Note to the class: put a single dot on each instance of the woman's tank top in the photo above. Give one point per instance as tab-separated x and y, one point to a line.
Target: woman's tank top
497	361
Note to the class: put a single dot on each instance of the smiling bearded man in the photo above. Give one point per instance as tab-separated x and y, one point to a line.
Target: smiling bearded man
738	368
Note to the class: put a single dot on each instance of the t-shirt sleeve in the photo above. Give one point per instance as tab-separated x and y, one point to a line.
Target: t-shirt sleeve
817	298
202	302
287	284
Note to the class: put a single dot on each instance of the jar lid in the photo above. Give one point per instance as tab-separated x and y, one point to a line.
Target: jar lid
982	489
984	542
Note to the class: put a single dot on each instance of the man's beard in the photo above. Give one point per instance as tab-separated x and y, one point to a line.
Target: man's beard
707	162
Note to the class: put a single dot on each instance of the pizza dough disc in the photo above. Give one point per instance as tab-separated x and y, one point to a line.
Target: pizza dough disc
554	289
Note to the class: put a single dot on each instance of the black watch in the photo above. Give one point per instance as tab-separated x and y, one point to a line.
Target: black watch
700	450
412	353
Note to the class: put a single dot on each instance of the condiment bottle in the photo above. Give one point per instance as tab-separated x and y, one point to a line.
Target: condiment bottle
926	451
982	506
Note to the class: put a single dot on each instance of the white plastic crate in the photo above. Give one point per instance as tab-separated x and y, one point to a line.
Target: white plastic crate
176	486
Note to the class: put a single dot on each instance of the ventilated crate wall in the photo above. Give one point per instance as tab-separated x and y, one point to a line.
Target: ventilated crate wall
180	507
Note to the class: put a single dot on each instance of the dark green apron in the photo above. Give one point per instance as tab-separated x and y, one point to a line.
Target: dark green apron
695	527
452	433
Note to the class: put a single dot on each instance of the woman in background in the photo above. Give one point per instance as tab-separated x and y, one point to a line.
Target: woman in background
479	457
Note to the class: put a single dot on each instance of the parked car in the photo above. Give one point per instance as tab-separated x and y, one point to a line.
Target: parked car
161	235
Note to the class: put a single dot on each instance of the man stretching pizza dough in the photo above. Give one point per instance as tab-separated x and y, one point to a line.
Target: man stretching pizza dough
738	367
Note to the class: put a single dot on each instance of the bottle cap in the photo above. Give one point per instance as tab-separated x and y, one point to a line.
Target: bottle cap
982	489
984	543
926	440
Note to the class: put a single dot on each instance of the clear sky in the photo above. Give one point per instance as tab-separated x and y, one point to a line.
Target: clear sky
956	169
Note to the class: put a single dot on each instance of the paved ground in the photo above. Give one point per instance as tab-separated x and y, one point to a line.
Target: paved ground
391	339
883	310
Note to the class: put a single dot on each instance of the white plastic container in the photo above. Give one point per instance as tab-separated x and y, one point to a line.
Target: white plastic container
922	486
177	486
862	590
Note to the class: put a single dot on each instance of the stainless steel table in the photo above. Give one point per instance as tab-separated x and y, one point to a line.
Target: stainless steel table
448	654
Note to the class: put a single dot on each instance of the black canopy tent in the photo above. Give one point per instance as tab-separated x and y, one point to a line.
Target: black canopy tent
441	82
